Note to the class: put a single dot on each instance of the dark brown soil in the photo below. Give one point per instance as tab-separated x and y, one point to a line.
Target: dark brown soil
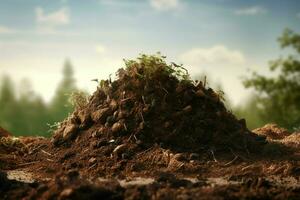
150	134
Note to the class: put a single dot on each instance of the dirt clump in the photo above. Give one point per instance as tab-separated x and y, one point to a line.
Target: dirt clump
11	151
292	140
272	132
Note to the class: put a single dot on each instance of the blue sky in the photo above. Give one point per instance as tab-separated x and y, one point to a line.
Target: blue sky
223	38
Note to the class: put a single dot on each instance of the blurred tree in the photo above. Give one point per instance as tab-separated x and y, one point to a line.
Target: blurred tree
29	114
251	111
33	112
279	95
8	104
60	106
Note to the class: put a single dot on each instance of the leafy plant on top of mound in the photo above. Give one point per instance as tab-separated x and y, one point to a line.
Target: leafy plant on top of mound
152	64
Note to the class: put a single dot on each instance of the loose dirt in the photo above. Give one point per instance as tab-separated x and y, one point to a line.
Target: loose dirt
152	133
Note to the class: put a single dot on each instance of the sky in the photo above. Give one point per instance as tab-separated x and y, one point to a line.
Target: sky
225	39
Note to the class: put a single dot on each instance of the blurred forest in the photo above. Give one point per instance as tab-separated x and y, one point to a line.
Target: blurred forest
276	98
26	113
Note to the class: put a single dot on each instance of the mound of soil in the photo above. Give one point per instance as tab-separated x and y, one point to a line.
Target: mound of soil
149	104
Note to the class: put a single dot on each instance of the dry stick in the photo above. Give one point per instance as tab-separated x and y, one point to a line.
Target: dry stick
38	169
45	152
125	99
129	137
232	161
242	157
213	154
29	163
143	98
165	90
125	127
92	166
145	151
142	117
132	135
35	149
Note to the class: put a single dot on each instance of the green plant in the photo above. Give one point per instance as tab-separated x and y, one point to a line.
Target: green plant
53	127
279	95
151	64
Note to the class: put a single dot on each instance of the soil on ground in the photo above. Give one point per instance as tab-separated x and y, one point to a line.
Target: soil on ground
152	134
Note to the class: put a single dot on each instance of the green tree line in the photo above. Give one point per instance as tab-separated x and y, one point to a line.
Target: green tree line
26	113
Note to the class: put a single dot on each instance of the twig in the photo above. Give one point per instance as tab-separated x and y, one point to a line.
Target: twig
213	154
242	157
165	90
143	98
145	151
92	166
35	149
232	161
142	117
125	127
130	137
45	152
125	99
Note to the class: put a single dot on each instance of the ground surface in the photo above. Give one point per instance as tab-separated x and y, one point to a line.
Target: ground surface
35	169
152	134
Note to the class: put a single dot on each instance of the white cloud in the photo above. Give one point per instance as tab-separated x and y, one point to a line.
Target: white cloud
250	11
6	30
100	49
221	64
216	56
53	19
163	5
